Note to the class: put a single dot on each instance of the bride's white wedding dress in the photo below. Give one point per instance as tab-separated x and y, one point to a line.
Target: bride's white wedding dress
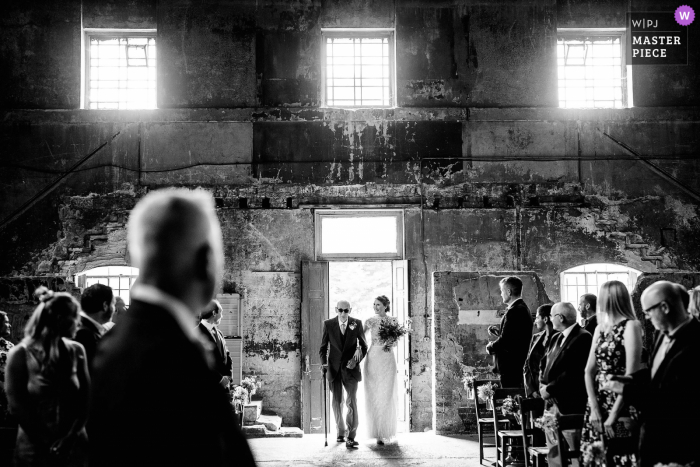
381	396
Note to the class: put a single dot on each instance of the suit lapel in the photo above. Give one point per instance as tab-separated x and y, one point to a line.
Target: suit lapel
677	346
336	332
569	339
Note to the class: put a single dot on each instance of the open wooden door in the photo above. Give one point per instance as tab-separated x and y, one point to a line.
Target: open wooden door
400	310
314	310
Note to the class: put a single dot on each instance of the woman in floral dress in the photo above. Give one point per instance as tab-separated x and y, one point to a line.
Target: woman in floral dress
616	350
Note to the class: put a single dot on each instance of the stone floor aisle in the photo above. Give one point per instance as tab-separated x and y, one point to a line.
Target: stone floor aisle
410	449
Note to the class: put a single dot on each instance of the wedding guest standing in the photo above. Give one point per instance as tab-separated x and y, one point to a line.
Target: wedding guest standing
5	347
670	413
511	347
616	351
210	318
538	347
97	302
587	310
155	399
47	386
694	302
561	371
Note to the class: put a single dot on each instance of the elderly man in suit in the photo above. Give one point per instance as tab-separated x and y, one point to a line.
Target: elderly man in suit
97	302
587	311
155	400
562	383
511	347
669	419
210	318
342	336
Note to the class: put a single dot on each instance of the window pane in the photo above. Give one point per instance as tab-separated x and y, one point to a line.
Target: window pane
122	63
358	235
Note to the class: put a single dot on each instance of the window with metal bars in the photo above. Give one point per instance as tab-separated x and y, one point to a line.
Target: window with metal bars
358	67
120	70
591	69
589	277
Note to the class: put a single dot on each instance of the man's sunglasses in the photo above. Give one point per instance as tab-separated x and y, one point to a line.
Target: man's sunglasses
343	310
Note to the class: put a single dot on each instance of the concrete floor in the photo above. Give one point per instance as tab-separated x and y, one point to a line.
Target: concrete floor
409	449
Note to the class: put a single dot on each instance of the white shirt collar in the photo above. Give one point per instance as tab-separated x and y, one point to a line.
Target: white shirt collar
566	333
208	325
154	296
101	329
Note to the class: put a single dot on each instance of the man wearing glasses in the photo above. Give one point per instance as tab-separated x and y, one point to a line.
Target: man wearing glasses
342	336
666	393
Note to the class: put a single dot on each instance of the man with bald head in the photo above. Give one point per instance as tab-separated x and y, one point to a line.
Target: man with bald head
155	398
342	336
666	391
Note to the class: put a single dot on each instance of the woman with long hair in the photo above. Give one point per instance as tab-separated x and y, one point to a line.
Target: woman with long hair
616	351
47	386
381	390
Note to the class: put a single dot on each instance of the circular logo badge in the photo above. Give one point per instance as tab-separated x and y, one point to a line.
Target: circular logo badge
684	15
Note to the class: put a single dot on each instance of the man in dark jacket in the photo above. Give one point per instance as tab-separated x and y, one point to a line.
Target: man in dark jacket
97	302
587	310
511	347
155	401
538	347
665	391
208	328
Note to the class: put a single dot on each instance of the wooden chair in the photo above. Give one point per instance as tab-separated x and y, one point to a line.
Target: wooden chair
483	417
504	435
568	422
534	444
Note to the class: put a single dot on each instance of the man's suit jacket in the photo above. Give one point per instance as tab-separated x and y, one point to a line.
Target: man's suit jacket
337	350
669	407
511	347
591	324
562	370
88	335
155	401
531	369
222	357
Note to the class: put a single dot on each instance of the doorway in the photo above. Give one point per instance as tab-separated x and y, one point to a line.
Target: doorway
359	282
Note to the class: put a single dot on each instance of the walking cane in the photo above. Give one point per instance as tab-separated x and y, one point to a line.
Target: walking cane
325	410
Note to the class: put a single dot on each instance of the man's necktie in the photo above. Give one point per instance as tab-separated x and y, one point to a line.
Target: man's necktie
342	329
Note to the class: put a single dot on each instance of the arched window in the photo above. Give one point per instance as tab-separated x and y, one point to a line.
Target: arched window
120	278
589	277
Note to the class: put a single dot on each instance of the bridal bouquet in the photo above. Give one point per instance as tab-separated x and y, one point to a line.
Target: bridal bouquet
390	331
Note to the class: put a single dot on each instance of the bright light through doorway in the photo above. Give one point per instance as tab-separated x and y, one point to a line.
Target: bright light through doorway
359	235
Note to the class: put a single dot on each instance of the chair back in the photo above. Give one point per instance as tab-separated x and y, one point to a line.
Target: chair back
568	422
500	395
480	406
531	408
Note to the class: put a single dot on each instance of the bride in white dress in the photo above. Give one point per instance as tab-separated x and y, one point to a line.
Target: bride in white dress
381	396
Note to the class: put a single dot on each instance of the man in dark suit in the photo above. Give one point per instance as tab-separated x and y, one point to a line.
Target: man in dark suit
512	345
342	337
538	346
97	302
155	400
562	370
562	383
669	431
587	310
210	318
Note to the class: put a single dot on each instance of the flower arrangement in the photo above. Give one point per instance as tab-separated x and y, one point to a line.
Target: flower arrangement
239	396
510	406
467	377
548	421
390	331
251	384
594	453
486	391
